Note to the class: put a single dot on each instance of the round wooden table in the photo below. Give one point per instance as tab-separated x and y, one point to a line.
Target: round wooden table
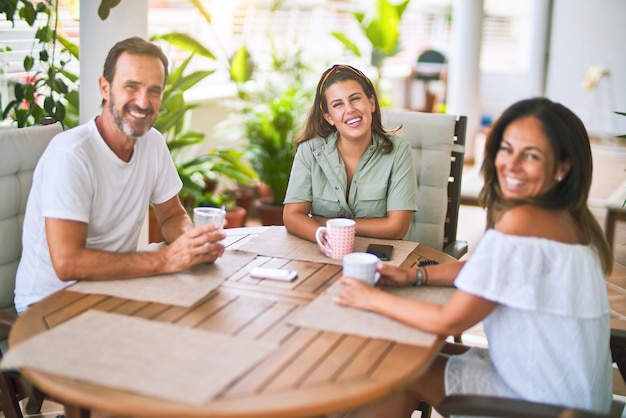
312	373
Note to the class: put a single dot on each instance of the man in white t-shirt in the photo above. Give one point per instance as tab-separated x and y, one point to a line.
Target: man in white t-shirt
93	184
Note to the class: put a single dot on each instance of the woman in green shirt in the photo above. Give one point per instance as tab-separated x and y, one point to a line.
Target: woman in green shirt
347	165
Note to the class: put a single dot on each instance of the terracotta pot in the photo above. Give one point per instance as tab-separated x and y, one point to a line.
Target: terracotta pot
210	185
269	214
243	197
236	218
264	191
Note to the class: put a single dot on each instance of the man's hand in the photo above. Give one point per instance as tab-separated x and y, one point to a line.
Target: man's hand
198	245
72	260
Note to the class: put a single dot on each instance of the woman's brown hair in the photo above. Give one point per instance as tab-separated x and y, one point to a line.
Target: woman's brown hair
570	142
316	125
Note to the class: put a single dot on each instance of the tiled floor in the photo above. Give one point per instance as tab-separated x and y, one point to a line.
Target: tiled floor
609	172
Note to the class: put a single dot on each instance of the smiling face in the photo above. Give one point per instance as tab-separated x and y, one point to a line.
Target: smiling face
525	162
134	97
349	110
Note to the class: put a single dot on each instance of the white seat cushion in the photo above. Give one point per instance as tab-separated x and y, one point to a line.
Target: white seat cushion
20	150
431	136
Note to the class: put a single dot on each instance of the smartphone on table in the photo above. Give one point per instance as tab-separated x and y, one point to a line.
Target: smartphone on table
382	251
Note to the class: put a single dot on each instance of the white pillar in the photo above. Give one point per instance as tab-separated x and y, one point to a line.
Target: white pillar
129	18
538	48
463	96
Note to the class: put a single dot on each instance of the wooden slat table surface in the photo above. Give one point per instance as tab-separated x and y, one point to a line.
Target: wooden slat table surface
312	373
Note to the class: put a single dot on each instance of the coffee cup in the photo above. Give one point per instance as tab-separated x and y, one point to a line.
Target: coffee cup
208	215
361	266
336	239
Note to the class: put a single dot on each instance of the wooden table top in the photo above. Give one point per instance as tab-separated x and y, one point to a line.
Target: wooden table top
311	373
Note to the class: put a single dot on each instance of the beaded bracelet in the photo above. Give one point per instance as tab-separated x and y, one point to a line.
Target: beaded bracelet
422	279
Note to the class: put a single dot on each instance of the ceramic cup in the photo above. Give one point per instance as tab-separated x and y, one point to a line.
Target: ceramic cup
336	239
361	266
207	215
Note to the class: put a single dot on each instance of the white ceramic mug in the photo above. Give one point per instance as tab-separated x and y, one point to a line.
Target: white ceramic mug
336	239
361	266
208	215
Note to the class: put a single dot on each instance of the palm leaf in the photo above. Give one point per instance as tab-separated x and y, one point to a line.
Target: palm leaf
347	43
186	42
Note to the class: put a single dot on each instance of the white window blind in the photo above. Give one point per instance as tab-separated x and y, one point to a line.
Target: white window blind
304	24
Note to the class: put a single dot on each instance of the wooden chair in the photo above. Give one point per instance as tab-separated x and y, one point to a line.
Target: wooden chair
20	150
487	406
438	144
431	66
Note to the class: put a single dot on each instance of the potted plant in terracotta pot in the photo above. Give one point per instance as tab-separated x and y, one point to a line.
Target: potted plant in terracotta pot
270	104
235	215
221	170
270	128
195	170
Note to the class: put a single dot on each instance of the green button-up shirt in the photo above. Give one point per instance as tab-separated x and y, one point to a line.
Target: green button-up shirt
381	183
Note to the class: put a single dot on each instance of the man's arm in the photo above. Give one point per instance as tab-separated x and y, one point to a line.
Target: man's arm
173	219
73	261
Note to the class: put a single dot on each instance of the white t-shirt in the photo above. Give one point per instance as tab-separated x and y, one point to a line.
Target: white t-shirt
79	178
549	335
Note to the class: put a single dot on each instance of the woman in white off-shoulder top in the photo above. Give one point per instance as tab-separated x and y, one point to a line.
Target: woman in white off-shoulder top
536	278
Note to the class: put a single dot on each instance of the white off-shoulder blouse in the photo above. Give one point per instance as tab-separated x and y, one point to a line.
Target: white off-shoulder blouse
548	337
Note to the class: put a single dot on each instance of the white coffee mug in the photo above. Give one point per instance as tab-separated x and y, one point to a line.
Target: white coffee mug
361	266
208	215
336	239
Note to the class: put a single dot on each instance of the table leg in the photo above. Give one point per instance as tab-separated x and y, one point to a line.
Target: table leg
72	411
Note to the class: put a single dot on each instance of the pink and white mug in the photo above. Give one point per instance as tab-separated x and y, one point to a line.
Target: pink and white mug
336	239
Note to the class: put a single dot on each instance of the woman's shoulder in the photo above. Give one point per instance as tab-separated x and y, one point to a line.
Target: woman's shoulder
320	141
396	138
534	221
311	145
400	145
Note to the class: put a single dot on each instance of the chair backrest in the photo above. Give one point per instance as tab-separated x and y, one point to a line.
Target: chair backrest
20	149
431	55
430	65
438	149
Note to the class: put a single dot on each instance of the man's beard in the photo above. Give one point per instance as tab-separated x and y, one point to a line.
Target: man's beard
124	126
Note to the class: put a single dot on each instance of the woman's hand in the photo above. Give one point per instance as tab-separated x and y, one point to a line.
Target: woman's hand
356	293
391	275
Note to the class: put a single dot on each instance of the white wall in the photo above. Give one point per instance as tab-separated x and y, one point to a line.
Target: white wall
585	33
97	37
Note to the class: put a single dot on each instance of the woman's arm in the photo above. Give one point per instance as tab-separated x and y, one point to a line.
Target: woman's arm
297	221
394	226
461	312
437	275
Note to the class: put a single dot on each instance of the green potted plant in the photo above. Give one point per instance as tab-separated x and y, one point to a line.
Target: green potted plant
194	170
270	104
235	215
270	128
49	89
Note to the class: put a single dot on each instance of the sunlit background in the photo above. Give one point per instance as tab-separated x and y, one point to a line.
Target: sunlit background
583	34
